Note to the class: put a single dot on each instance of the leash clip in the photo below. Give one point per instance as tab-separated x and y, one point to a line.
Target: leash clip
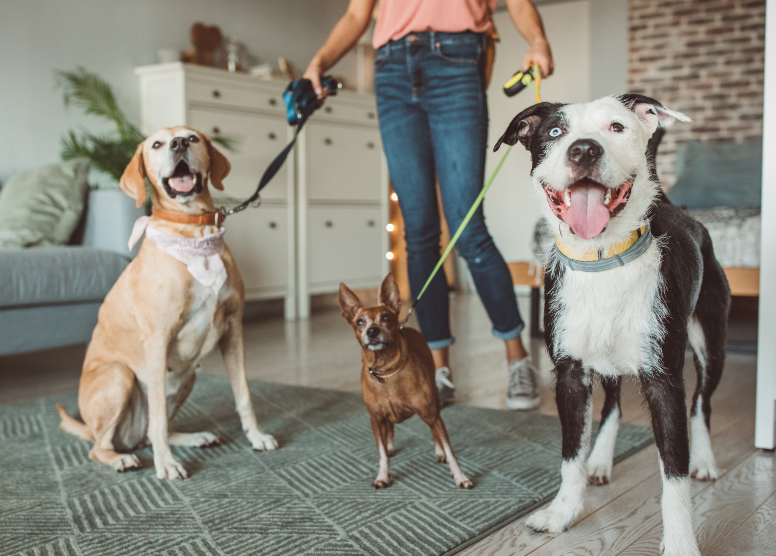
221	215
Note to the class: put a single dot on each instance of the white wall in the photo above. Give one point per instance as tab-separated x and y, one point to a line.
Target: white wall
112	37
511	208
766	348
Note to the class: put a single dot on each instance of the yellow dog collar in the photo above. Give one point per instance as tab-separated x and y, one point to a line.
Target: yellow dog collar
630	248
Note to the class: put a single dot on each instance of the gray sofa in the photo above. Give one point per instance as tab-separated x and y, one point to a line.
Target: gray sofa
49	297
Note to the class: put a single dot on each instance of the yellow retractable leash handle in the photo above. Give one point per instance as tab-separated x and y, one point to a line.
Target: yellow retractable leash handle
519	81
478	201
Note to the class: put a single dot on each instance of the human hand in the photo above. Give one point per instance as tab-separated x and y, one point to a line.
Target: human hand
314	74
539	54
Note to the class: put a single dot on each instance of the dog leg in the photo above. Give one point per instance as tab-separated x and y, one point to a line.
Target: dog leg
439	431
167	467
665	395
193	439
380	430
599	464
389	447
708	365
104	399
233	352
573	394
439	452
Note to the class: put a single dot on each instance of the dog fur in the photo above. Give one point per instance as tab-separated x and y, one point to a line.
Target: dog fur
409	387
157	322
635	319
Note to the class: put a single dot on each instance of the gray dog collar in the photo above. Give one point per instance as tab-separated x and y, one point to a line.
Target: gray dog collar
638	248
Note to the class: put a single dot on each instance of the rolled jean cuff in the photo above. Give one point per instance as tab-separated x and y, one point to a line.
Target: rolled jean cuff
509	335
439	344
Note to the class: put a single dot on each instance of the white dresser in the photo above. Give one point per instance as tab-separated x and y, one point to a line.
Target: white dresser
318	226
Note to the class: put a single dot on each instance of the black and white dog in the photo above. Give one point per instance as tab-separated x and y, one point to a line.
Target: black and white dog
630	280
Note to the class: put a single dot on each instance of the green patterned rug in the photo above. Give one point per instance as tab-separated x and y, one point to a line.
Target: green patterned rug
313	496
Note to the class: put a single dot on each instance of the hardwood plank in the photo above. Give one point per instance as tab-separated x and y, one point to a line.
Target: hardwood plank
755	537
723	507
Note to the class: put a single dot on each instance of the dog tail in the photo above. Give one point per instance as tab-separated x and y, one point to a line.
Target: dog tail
73	426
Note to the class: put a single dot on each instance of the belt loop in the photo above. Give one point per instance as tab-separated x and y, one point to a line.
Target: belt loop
432	40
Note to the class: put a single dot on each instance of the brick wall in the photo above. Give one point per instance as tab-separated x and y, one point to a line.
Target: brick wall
704	58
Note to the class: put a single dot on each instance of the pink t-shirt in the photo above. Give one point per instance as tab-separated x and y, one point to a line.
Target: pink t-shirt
396	18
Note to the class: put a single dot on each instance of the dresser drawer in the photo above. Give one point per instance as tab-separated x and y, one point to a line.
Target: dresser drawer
218	93
344	244
343	163
260	138
336	109
258	240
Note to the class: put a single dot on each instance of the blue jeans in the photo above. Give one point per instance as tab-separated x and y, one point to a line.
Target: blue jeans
434	121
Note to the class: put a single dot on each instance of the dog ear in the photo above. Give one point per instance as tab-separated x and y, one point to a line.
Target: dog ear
524	125
132	181
650	112
349	302
389	294
219	165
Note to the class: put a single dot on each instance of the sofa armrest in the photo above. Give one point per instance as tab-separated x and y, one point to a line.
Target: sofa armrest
109	219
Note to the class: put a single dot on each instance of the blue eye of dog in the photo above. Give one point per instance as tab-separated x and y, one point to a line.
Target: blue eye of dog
555	132
617	127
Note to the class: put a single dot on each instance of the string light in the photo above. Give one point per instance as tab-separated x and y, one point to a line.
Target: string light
390	227
389	255
394	196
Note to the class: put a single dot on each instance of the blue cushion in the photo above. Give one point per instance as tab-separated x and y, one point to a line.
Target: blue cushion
48	275
725	175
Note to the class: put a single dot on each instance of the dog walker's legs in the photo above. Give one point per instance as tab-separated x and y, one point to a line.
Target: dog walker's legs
438	431
104	405
380	430
233	352
665	395
599	464
709	360
573	394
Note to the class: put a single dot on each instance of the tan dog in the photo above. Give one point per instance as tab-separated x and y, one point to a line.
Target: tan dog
158	321
397	379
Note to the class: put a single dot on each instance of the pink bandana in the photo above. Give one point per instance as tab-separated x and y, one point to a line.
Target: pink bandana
201	255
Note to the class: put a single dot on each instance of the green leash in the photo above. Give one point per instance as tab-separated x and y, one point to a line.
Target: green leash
458	232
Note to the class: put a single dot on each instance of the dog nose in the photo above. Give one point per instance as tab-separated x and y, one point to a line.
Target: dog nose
179	144
585	152
372	331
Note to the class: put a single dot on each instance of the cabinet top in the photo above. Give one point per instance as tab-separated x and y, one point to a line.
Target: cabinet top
242	79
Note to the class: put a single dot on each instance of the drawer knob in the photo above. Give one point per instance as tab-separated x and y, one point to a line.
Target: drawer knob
216	93
272	136
328	109
216	130
328	141
370	145
273	225
371	115
371	223
329	224
272	102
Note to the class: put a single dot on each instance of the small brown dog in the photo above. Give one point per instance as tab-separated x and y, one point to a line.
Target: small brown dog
397	379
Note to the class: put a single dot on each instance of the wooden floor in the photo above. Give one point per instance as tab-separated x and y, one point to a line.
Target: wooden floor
736	515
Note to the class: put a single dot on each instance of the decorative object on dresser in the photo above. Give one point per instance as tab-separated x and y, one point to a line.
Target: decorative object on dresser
316	227
206	40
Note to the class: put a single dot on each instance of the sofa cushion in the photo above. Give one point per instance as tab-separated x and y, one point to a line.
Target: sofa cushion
43	206
57	275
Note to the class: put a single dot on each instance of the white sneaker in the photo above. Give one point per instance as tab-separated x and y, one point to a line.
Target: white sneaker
445	386
522	393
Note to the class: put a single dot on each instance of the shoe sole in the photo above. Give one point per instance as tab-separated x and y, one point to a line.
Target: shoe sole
523	404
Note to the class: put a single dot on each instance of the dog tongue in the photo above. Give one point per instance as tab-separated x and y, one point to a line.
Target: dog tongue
182	184
587	216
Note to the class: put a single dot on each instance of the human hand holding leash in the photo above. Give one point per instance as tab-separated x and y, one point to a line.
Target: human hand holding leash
541	55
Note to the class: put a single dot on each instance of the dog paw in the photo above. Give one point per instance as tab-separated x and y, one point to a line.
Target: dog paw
381	483
204	439
170	469
599	475
440	458
549	521
704	470
262	442
125	462
463	482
